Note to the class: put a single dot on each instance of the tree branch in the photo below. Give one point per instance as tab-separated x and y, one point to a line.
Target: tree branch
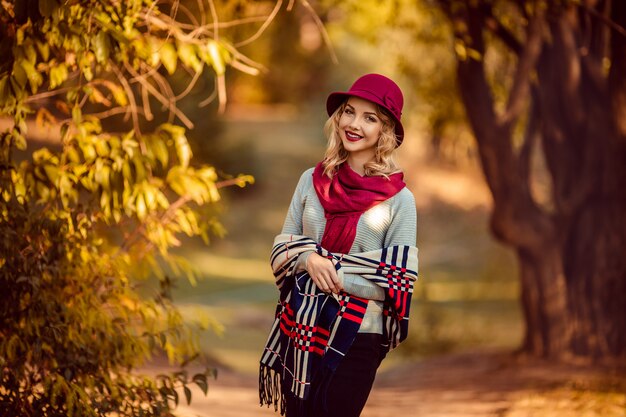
131	97
516	219
496	27
525	66
606	20
530	136
322	29
168	103
263	27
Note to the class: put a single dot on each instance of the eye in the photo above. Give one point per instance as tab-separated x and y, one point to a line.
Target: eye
371	119
349	111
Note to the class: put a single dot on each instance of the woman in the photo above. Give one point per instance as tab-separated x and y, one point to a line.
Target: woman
345	261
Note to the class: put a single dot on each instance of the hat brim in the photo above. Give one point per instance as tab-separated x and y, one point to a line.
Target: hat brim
335	100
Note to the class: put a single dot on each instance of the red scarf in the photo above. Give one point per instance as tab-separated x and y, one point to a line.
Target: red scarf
345	198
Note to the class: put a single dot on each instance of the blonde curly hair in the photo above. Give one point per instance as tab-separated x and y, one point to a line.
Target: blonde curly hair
383	163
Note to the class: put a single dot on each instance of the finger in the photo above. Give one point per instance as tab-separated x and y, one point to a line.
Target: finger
337	283
333	280
328	281
331	283
321	284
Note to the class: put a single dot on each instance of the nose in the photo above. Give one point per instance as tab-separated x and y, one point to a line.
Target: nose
355	124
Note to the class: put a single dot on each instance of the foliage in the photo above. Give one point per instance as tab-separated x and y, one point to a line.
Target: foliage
83	223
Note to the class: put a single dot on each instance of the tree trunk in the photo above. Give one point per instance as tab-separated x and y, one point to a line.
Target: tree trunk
580	141
544	303
572	258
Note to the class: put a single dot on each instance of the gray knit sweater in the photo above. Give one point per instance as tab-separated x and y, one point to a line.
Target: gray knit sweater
392	222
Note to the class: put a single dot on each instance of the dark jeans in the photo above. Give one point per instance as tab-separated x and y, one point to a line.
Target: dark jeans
352	382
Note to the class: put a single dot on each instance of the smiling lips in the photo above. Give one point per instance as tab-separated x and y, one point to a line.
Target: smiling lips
353	137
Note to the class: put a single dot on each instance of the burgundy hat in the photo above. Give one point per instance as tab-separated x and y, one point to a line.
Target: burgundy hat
377	89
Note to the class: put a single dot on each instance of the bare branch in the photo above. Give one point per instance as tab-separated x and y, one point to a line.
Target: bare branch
145	98
178	5
241	57
106	113
47	94
322	29
201	11
215	20
221	93
210	98
131	97
242	21
263	27
168	103
191	84
166	90
244	68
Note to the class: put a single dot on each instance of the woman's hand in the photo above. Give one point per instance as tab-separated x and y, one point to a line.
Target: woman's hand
323	273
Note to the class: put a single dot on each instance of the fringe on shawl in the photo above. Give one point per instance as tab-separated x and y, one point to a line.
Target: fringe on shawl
270	389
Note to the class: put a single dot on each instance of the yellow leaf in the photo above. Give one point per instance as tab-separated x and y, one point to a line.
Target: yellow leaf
58	75
140	206
118	92
214	193
150	198
168	56
188	56
52	172
217	60
104	199
160	151
100	44
140	170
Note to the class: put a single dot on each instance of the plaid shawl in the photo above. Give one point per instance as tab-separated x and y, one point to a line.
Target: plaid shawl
313	330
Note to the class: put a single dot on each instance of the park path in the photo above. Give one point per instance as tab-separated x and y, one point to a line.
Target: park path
478	384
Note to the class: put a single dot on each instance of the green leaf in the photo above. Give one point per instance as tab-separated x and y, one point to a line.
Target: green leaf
58	74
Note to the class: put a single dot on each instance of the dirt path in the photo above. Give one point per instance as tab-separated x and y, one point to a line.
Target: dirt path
472	384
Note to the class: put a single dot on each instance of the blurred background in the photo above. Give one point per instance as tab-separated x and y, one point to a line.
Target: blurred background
468	291
467	318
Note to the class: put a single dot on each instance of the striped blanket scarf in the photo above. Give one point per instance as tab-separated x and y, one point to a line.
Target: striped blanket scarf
313	330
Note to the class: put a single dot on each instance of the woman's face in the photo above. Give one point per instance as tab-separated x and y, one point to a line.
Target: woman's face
360	127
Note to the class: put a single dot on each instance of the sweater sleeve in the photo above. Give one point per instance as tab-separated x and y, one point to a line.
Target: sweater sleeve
293	221
403	227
